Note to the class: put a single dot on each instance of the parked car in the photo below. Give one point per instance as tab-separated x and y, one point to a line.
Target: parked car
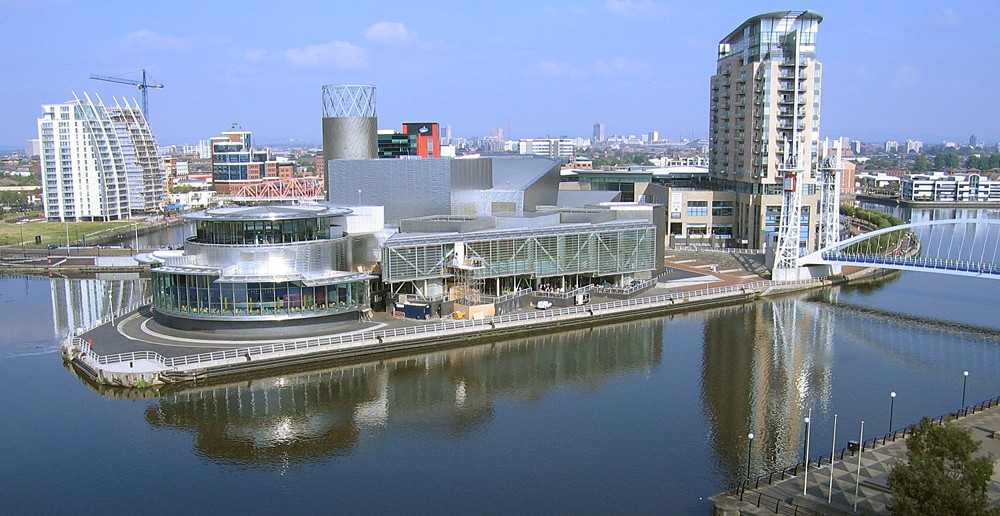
544	305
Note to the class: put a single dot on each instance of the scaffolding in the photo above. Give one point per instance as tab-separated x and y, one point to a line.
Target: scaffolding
469	287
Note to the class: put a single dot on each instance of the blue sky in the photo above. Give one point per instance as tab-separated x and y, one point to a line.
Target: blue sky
892	69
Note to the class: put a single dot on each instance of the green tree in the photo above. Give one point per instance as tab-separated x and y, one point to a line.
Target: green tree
940	476
920	163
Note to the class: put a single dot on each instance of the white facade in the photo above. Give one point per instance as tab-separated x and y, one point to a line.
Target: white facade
914	146
563	148
98	162
944	187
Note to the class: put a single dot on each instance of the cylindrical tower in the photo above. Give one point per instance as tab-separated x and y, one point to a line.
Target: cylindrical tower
349	122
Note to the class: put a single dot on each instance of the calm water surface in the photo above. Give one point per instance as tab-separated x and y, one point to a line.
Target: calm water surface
649	416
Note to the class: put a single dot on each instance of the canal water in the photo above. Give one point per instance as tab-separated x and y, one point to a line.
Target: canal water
647	416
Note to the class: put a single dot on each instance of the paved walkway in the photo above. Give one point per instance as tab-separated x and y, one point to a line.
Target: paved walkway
873	489
138	331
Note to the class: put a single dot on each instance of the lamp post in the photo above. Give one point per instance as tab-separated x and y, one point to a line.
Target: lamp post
892	402
359	197
805	454
965	383
749	453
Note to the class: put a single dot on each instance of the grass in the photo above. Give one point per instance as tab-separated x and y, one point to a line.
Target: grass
55	232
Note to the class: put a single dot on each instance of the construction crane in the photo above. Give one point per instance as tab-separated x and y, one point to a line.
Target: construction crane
142	85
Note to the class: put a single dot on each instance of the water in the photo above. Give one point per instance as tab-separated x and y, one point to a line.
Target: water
649	416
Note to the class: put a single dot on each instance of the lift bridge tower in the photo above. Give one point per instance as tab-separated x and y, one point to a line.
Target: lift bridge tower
788	246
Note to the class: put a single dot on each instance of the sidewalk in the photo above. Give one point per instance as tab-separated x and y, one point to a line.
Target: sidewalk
874	494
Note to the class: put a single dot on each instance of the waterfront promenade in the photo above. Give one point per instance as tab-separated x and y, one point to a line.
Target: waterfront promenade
782	492
135	350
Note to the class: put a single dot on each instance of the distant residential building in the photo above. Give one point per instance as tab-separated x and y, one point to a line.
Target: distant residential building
561	148
892	147
945	187
914	146
34	148
98	162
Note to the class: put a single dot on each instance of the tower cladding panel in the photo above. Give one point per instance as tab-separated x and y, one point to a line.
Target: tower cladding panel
350	123
428	139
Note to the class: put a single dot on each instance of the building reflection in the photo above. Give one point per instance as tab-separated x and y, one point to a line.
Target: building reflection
83	303
308	415
765	365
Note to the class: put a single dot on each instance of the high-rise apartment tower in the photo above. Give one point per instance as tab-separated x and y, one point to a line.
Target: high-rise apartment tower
764	127
98	162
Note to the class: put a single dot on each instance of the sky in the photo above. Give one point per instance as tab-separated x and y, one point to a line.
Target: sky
892	69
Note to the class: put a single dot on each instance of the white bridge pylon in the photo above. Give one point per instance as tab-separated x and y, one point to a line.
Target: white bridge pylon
962	247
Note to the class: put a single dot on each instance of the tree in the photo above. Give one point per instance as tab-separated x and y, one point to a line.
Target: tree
940	476
920	163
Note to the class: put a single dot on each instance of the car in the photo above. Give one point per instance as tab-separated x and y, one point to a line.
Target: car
53	246
544	305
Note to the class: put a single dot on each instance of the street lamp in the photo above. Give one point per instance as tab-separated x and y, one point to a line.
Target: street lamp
749	453
965	382
892	402
359	197
805	454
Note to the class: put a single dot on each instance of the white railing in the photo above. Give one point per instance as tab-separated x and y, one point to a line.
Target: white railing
563	295
506	297
344	341
628	290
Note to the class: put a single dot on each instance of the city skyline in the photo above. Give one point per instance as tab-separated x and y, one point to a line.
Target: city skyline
892	70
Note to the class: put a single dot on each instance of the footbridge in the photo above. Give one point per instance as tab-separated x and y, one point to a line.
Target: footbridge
963	247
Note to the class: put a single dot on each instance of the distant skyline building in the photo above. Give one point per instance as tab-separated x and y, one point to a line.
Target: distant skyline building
33	148
98	162
892	147
599	136
914	146
972	141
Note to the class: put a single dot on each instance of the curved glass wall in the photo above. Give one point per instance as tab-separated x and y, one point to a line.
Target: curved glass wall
261	232
202	296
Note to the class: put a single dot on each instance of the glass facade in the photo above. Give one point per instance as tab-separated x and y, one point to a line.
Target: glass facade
593	251
188	294
262	232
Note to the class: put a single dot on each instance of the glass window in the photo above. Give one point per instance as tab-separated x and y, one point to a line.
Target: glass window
697	208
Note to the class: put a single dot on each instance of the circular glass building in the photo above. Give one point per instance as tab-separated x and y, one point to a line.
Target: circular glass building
261	263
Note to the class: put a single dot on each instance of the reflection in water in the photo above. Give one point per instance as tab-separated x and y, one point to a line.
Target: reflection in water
79	304
764	365
312	415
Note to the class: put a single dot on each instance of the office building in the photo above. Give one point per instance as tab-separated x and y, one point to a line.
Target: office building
417	139
98	162
598	133
427	137
234	160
